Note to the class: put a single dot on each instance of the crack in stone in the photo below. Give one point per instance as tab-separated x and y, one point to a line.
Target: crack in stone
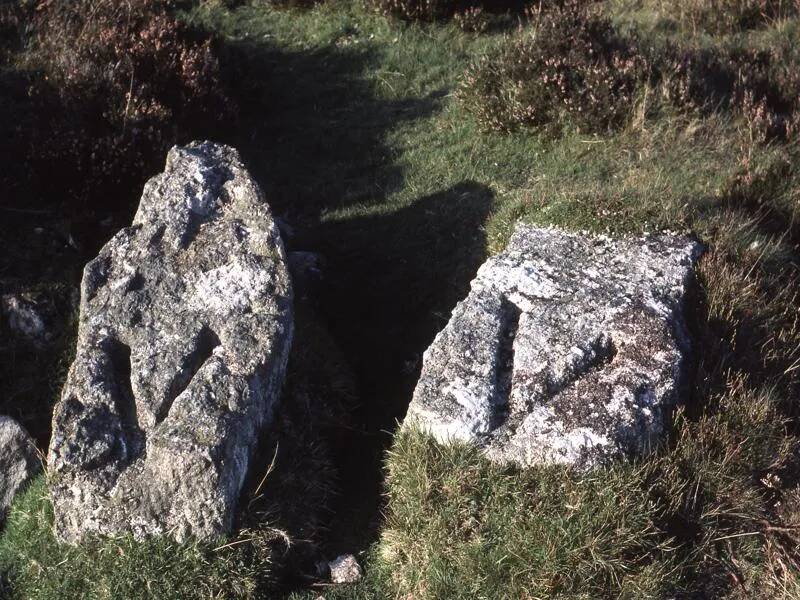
202	350
119	354
504	372
598	353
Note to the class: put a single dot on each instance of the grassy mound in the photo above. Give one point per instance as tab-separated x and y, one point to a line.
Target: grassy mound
572	70
691	520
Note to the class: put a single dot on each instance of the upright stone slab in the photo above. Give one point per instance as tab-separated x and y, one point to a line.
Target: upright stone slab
568	349
185	329
19	461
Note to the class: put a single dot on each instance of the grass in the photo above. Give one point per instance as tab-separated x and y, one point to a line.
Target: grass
114	568
460	527
351	124
692	519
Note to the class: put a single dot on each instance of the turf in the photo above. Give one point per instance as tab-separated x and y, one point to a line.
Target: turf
352	125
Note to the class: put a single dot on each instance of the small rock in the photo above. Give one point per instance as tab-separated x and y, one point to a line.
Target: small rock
345	569
19	461
306	269
25	319
568	349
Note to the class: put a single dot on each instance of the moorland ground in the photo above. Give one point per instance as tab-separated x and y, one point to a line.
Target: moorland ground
404	152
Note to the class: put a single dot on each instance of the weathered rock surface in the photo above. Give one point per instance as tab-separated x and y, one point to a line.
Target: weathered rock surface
18	461
184	333
38	318
345	569
568	349
25	319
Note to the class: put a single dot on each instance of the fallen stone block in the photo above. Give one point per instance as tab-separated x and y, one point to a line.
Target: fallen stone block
568	349
19	462
184	333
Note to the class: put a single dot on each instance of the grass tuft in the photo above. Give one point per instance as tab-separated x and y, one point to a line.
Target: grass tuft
37	566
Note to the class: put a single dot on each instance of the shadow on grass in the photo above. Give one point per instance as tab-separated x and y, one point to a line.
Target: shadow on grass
391	288
313	130
312	127
757	333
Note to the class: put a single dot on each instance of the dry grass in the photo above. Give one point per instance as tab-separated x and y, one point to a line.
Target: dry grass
727	16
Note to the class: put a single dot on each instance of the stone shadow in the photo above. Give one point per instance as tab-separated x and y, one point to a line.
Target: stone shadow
392	282
312	129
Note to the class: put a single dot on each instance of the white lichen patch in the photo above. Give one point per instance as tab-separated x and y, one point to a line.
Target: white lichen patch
230	288
543	438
